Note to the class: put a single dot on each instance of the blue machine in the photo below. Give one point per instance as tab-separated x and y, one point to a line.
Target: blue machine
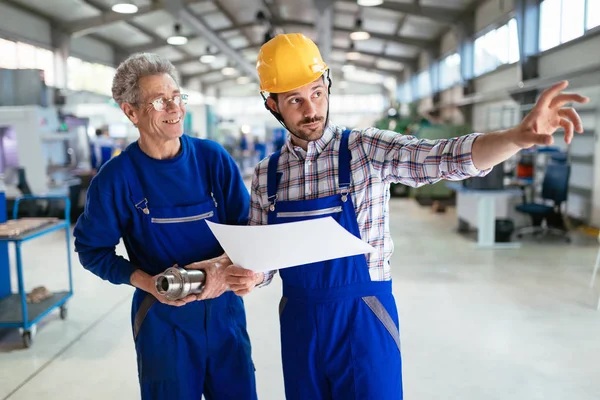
14	310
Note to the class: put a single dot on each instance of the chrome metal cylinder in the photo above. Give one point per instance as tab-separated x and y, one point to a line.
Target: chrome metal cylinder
176	283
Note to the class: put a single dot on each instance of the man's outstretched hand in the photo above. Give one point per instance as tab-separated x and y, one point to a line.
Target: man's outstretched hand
548	115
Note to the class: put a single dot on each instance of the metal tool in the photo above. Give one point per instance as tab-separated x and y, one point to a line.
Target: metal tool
176	283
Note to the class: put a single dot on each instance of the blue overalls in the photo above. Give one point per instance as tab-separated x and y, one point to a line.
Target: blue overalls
202	347
339	329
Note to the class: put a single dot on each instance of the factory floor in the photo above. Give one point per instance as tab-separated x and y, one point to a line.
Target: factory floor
475	324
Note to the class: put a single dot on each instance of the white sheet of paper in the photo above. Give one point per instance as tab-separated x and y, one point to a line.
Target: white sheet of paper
269	247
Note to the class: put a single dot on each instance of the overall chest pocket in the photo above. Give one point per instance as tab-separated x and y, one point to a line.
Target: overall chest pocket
180	234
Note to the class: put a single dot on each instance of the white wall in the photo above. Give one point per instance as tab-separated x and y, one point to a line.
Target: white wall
18	25
89	49
21	26
583	54
493	12
449	43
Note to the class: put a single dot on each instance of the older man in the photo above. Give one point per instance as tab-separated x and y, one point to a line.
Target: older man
157	195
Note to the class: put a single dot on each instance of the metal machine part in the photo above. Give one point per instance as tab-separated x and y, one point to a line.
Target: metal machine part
176	283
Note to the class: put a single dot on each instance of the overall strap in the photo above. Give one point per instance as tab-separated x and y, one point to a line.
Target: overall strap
344	163
139	200
272	177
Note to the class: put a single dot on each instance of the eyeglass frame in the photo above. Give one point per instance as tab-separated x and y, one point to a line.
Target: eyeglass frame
162	101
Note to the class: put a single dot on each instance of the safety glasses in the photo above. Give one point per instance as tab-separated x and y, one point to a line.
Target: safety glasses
161	103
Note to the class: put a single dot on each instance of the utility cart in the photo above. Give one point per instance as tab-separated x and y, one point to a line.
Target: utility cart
15	311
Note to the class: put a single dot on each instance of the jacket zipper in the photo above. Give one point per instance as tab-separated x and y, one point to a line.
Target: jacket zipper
314	213
182	219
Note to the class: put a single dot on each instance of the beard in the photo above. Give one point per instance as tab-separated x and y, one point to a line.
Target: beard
310	129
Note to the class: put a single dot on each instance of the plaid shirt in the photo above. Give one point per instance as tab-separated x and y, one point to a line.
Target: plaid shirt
379	158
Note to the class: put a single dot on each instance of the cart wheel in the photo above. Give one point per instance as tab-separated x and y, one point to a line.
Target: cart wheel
27	339
63	312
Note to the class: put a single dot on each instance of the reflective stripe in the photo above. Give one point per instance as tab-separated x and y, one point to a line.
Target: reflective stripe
141	313
182	219
313	213
382	314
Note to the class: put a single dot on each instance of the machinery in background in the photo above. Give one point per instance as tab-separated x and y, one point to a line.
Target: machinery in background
42	153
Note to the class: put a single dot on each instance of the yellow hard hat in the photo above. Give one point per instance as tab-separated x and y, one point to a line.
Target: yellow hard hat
287	62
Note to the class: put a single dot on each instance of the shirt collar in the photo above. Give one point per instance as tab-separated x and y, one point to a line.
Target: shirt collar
319	144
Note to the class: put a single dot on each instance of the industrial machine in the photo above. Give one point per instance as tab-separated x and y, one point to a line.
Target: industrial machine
41	152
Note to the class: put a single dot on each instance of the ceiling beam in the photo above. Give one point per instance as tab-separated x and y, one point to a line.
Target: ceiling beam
443	15
86	26
403	60
197	58
369	67
155	37
232	19
421	43
182	12
162	42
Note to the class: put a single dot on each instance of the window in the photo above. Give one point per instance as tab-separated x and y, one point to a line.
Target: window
564	20
25	56
8	50
593	14
44	60
573	18
91	77
423	84
18	55
497	47
404	93
450	71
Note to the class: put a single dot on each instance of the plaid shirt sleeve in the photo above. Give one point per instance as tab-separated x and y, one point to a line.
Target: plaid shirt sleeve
258	214
416	162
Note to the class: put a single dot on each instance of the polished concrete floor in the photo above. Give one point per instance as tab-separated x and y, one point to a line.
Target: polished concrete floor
476	324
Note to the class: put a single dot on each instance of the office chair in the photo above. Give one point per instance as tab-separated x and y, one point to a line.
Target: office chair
554	188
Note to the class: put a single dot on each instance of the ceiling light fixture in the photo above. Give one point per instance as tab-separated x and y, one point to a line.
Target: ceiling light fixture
369	3
242	80
359	33
352	54
177	39
207	58
227	71
125	8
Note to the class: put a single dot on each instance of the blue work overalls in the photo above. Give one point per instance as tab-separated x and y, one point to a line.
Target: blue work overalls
339	329
201	347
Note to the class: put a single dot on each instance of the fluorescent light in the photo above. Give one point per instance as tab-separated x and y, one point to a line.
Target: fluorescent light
348	67
207	58
228	71
360	35
353	55
125	8
242	80
177	40
369	3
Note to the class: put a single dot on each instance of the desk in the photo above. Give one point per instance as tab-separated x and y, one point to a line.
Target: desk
486	214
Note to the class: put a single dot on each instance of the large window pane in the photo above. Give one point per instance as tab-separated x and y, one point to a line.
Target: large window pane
573	18
8	54
44	60
550	24
501	48
593	14
25	56
513	42
449	71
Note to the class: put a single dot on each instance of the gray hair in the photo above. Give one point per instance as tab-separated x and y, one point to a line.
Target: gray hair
125	87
